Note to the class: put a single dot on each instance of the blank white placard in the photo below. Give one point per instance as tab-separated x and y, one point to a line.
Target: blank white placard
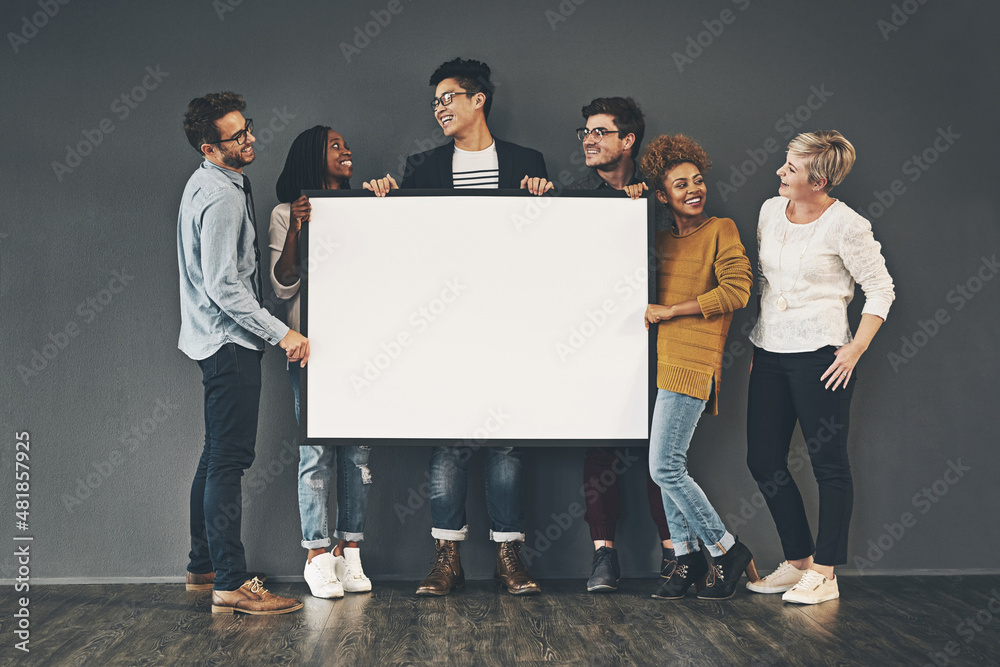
459	316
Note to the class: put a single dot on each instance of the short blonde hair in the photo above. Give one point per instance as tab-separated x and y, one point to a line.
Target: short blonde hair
828	155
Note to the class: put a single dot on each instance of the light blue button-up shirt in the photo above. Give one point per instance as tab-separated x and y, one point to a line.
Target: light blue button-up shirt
215	251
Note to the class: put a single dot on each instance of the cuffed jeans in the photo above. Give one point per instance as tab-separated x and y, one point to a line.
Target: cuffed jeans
316	464
602	470
689	514
785	388
449	485
231	378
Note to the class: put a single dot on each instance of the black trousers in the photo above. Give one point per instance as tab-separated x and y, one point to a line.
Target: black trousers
785	389
231	378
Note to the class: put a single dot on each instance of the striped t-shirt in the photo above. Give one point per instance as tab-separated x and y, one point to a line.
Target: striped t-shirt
476	169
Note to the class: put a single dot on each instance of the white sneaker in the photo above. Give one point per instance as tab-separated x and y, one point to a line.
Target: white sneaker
812	588
349	571
779	581
321	576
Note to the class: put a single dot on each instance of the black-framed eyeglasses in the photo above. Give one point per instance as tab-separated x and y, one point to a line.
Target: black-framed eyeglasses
598	132
240	136
446	98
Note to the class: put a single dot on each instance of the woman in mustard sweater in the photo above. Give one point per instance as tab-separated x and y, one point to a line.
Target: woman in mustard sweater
703	276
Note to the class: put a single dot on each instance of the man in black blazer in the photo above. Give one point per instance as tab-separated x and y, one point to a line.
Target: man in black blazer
463	96
433	169
462	100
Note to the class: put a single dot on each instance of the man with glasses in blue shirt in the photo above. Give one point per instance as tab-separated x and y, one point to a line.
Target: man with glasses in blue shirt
223	327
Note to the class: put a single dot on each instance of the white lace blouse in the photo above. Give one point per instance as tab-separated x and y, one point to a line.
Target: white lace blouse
819	264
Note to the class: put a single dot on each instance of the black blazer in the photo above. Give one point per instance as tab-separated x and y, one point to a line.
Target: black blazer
432	169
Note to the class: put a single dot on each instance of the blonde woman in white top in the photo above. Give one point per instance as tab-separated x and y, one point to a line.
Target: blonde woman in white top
813	249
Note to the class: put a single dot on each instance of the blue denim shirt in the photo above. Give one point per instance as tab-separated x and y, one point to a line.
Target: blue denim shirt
215	252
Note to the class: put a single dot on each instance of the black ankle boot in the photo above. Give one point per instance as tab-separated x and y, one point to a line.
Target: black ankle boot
686	570
669	562
726	572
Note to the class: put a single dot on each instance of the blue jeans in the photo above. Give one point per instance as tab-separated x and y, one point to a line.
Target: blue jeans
231	378
689	514
449	474
354	478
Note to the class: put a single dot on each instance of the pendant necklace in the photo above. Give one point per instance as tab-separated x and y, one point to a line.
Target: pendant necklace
782	303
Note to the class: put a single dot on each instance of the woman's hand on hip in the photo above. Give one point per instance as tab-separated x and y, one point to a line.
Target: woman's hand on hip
840	371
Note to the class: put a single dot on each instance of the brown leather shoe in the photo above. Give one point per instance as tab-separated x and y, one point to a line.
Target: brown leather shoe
446	572
511	571
252	598
204	582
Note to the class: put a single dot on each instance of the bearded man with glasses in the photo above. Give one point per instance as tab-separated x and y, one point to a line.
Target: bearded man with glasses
610	140
223	327
463	96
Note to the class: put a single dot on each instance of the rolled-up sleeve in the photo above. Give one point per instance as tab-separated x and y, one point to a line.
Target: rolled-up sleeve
221	226
862	257
733	272
277	233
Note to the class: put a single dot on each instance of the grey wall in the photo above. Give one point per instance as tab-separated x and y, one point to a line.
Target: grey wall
64	236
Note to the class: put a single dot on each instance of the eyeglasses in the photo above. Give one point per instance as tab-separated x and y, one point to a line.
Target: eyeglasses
598	132
446	98
240	137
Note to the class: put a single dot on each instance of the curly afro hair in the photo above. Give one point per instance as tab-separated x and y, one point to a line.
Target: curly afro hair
666	152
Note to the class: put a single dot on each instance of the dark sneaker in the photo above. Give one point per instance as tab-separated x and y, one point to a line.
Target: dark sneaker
726	572
686	570
606	573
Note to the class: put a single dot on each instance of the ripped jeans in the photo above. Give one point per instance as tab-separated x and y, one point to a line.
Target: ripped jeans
316	465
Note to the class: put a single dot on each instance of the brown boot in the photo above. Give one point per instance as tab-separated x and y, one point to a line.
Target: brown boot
252	598
511	571
446	573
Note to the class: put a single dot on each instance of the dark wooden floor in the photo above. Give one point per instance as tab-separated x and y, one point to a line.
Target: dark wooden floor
878	621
